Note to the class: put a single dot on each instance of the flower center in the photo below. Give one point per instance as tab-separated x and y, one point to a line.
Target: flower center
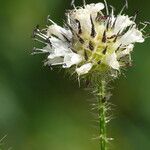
96	48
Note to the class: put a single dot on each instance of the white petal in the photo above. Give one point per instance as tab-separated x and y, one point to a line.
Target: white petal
76	59
125	52
111	61
58	31
84	69
132	36
51	56
47	48
61	51
71	59
83	15
59	48
122	23
54	61
95	7
56	43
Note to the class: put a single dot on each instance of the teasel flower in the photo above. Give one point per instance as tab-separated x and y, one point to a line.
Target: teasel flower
93	42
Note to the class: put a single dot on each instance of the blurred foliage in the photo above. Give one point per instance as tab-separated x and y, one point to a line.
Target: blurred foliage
43	109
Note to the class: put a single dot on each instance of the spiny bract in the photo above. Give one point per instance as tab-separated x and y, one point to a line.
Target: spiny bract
91	40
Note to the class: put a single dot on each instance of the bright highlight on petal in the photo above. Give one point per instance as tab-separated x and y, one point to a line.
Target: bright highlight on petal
71	59
112	61
84	69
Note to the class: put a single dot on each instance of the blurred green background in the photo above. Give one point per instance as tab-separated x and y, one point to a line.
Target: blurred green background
42	109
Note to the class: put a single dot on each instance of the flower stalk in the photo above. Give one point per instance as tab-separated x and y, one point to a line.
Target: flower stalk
102	114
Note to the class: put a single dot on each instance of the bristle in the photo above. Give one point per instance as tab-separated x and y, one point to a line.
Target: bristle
125	6
107	11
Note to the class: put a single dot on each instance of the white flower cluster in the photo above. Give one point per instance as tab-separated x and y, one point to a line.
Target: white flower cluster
90	40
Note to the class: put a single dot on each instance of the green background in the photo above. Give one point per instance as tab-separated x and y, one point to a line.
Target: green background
42	109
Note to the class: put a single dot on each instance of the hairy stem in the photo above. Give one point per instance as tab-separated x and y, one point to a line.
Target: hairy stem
102	114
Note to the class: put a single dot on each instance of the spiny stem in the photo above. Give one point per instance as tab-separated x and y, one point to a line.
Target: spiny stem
102	114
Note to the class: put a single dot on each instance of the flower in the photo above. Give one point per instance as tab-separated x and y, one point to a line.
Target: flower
91	40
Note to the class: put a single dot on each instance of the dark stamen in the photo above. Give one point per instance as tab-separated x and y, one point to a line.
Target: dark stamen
91	47
93	32
65	37
85	55
80	39
70	28
49	42
113	36
74	50
99	62
118	48
103	17
104	51
108	23
79	26
104	39
55	36
98	17
35	31
116	37
114	23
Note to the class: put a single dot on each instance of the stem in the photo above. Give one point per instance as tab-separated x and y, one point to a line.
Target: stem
102	114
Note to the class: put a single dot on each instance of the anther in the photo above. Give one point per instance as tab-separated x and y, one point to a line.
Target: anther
116	37
35	31
104	39
118	48
66	38
74	50
49	42
93	32
85	55
99	62
80	39
53	35
114	23
108	23
111	37
79	26
104	51
91	47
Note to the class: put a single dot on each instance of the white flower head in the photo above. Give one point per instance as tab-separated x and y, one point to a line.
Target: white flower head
91	40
